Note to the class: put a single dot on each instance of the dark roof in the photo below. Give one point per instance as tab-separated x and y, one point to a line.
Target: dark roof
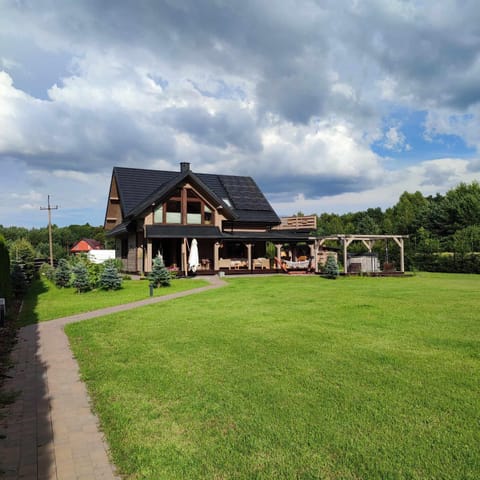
163	190
272	236
197	231
135	185
122	228
182	231
240	197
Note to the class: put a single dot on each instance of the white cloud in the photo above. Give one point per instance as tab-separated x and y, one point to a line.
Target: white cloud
293	95
396	140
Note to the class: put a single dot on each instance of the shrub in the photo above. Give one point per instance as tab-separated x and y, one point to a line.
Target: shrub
5	281
80	278
62	274
331	267
46	270
110	279
160	276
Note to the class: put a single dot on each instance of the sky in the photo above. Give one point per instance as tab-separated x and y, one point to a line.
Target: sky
330	105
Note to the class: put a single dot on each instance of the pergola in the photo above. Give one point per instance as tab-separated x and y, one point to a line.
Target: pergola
367	240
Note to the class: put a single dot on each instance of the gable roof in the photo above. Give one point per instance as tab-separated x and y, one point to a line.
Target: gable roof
239	197
85	245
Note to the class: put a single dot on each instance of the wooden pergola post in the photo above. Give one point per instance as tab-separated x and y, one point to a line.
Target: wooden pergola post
399	242
346	242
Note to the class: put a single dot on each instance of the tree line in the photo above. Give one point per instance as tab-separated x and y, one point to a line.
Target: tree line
443	230
63	238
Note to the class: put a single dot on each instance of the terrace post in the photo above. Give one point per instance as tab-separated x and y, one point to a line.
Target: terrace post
184	257
249	255
148	260
313	254
278	247
216	249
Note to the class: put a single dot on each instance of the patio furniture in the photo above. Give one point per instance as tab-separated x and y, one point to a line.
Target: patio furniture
225	263
261	262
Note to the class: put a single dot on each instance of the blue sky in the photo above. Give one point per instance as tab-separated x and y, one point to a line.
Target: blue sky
330	106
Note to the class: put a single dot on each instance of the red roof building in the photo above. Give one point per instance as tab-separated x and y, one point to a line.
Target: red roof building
85	245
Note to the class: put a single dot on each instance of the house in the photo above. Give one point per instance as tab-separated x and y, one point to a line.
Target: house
151	212
85	245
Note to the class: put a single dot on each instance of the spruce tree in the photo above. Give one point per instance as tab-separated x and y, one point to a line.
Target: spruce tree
159	276
80	278
24	254
110	279
62	274
18	280
331	267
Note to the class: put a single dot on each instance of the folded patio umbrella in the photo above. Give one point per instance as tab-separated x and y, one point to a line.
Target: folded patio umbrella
193	257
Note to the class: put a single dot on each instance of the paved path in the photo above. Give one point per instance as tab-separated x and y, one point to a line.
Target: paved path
49	433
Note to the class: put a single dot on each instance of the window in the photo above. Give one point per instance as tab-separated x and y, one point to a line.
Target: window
184	207
207	216
158	215
194	212
174	211
124	248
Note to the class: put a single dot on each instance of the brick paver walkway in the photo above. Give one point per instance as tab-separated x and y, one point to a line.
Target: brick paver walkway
50	433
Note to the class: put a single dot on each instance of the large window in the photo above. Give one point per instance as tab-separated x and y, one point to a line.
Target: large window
158	214
174	211
194	212
184	207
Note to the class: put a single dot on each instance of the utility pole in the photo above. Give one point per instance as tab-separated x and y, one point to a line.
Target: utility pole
50	208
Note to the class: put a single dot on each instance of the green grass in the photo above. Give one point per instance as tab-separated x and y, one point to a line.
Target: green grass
44	301
293	378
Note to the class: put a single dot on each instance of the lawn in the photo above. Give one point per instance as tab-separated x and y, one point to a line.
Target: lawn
293	378
44	301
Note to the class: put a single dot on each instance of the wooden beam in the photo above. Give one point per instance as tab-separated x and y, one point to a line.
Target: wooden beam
399	242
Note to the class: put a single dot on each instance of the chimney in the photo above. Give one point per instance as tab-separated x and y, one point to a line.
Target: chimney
184	166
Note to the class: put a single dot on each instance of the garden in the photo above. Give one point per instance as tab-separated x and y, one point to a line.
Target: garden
80	286
292	377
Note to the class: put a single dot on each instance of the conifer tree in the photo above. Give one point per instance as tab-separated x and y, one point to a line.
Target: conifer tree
18	280
62	274
331	267
110	279
24	254
80	278
5	282
160	276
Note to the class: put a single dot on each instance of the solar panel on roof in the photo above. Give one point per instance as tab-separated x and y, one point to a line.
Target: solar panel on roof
244	193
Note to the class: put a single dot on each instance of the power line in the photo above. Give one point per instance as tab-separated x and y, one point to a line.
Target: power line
50	208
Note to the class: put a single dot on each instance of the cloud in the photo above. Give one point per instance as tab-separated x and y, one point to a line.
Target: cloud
295	95
395	140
